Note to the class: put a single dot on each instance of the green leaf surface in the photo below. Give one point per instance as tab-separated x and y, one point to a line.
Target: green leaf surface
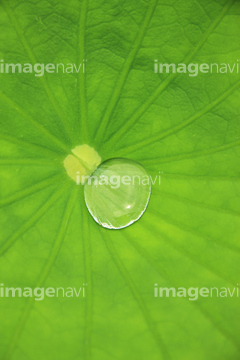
185	127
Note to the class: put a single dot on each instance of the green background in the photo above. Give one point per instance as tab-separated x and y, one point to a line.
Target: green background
186	127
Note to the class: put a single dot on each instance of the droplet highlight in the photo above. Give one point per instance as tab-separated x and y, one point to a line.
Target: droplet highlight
117	193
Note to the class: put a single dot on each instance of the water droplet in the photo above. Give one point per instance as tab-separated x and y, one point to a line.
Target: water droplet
117	193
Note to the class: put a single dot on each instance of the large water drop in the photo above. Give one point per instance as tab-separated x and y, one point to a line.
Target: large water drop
117	193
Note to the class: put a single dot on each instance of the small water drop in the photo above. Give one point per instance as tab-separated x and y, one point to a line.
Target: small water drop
117	193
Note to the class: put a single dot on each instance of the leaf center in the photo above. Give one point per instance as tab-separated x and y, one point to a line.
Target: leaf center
81	163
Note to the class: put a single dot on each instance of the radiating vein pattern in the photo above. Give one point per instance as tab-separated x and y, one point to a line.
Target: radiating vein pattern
45	272
185	128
